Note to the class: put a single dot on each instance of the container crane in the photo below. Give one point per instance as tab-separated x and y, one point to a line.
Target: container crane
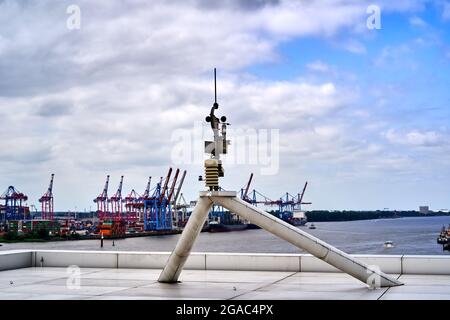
14	207
147	189
180	184
172	187
47	202
300	196
131	206
116	202
33	207
102	201
181	207
179	220
293	202
164	188
259	198
157	207
244	191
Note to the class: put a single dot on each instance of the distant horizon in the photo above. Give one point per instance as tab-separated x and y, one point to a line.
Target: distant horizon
329	210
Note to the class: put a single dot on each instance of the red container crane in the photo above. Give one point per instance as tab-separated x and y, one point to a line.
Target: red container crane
116	202
102	202
132	206
47	202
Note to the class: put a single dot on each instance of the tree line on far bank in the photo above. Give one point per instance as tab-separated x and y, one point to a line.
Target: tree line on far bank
325	215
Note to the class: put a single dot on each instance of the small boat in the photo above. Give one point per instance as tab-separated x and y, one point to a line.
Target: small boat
388	244
443	236
442	239
312	226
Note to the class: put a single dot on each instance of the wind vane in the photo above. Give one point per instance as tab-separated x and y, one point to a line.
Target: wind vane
213	166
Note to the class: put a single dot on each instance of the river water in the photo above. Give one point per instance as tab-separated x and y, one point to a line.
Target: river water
410	236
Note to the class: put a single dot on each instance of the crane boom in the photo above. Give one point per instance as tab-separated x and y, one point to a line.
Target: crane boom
105	189
248	186
119	190
303	193
172	187
47	201
180	184
50	187
147	189
164	189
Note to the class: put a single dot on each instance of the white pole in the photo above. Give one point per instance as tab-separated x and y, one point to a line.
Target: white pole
303	240
184	246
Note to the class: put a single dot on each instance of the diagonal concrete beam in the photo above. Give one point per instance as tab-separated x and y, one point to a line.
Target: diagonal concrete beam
299	238
309	243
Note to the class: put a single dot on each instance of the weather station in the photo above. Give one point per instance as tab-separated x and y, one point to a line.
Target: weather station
229	200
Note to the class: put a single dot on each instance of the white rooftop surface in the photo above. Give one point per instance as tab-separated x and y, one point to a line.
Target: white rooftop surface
117	283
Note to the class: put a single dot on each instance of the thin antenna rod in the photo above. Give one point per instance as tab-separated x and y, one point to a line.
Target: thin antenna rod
215	87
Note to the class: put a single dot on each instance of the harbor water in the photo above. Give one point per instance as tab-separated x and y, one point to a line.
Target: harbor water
409	235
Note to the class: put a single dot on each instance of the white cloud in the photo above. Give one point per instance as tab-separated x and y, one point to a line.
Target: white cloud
414	138
396	56
417	22
291	100
446	10
318	66
353	46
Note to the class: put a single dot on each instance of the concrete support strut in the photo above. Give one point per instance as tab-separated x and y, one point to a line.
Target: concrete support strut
304	240
293	235
184	245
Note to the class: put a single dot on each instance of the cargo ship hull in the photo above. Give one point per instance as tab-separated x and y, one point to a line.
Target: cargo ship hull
220	227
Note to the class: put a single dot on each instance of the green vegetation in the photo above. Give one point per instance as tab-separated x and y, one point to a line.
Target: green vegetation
40	235
325	215
36	235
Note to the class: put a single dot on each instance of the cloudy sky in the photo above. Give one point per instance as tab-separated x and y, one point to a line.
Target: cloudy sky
363	114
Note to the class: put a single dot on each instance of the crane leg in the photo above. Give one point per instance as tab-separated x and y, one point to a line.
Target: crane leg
184	246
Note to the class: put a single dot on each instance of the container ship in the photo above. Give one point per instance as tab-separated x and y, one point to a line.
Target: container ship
215	226
295	217
225	221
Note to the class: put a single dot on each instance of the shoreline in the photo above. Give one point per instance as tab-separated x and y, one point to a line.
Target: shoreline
178	231
350	215
96	237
